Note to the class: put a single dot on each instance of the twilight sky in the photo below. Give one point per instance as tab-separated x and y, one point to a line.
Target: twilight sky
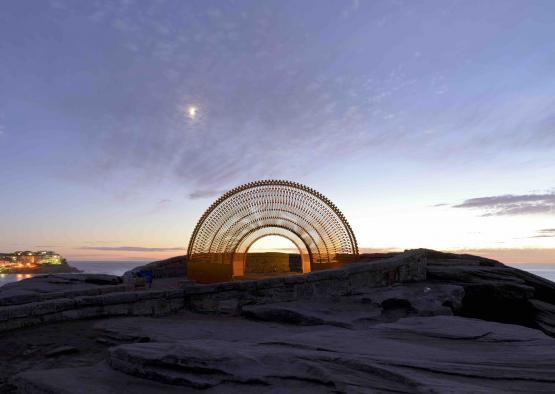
429	123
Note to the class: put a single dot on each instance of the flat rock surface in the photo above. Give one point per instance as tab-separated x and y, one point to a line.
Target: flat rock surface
340	314
99	379
446	335
29	290
415	354
59	282
188	325
366	308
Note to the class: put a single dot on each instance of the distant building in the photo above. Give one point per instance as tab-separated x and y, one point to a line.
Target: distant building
20	259
26	258
7	259
48	257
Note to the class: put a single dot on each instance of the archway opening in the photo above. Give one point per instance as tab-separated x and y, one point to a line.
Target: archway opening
272	254
270	251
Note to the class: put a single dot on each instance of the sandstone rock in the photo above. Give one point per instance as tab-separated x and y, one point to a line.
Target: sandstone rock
307	313
400	338
435	257
371	305
544	316
412	355
222	354
99	379
169	268
496	292
187	325
421	299
59	351
59	282
57	286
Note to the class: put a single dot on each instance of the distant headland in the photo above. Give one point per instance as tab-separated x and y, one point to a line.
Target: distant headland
40	262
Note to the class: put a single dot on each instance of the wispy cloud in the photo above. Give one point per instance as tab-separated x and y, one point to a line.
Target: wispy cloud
160	206
510	204
286	101
130	248
513	255
205	194
545	233
262	112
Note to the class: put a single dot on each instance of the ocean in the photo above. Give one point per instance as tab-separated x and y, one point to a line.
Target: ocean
546	271
90	267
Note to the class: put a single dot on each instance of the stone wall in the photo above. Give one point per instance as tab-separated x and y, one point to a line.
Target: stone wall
229	297
19	299
226	297
136	303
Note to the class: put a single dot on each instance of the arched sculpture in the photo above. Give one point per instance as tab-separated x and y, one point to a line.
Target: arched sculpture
225	232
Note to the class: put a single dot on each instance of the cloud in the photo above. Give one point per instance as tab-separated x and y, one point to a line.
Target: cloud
205	194
284	101
130	248
510	204
545	233
160	206
513	255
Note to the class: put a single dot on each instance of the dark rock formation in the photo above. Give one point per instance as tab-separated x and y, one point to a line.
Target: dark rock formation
473	326
59	351
227	355
370	306
44	287
57	282
169	268
496	292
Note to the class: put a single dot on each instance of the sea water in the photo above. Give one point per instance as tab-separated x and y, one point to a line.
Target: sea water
89	267
546	271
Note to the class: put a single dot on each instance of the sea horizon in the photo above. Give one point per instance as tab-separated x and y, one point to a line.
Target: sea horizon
119	267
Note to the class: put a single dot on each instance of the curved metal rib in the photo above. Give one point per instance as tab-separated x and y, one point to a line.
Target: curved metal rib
250	208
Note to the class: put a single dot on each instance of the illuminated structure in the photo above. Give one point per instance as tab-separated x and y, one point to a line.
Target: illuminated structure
225	232
28	259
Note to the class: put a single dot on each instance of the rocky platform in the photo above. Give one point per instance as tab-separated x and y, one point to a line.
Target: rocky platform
474	326
57	286
220	354
494	291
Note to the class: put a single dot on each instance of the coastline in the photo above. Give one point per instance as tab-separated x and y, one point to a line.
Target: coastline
63	268
119	267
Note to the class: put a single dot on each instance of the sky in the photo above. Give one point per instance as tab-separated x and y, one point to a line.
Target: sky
428	123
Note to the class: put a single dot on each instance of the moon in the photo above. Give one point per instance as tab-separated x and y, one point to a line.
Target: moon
192	112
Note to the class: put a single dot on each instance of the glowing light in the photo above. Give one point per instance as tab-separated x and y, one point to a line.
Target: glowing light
192	112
